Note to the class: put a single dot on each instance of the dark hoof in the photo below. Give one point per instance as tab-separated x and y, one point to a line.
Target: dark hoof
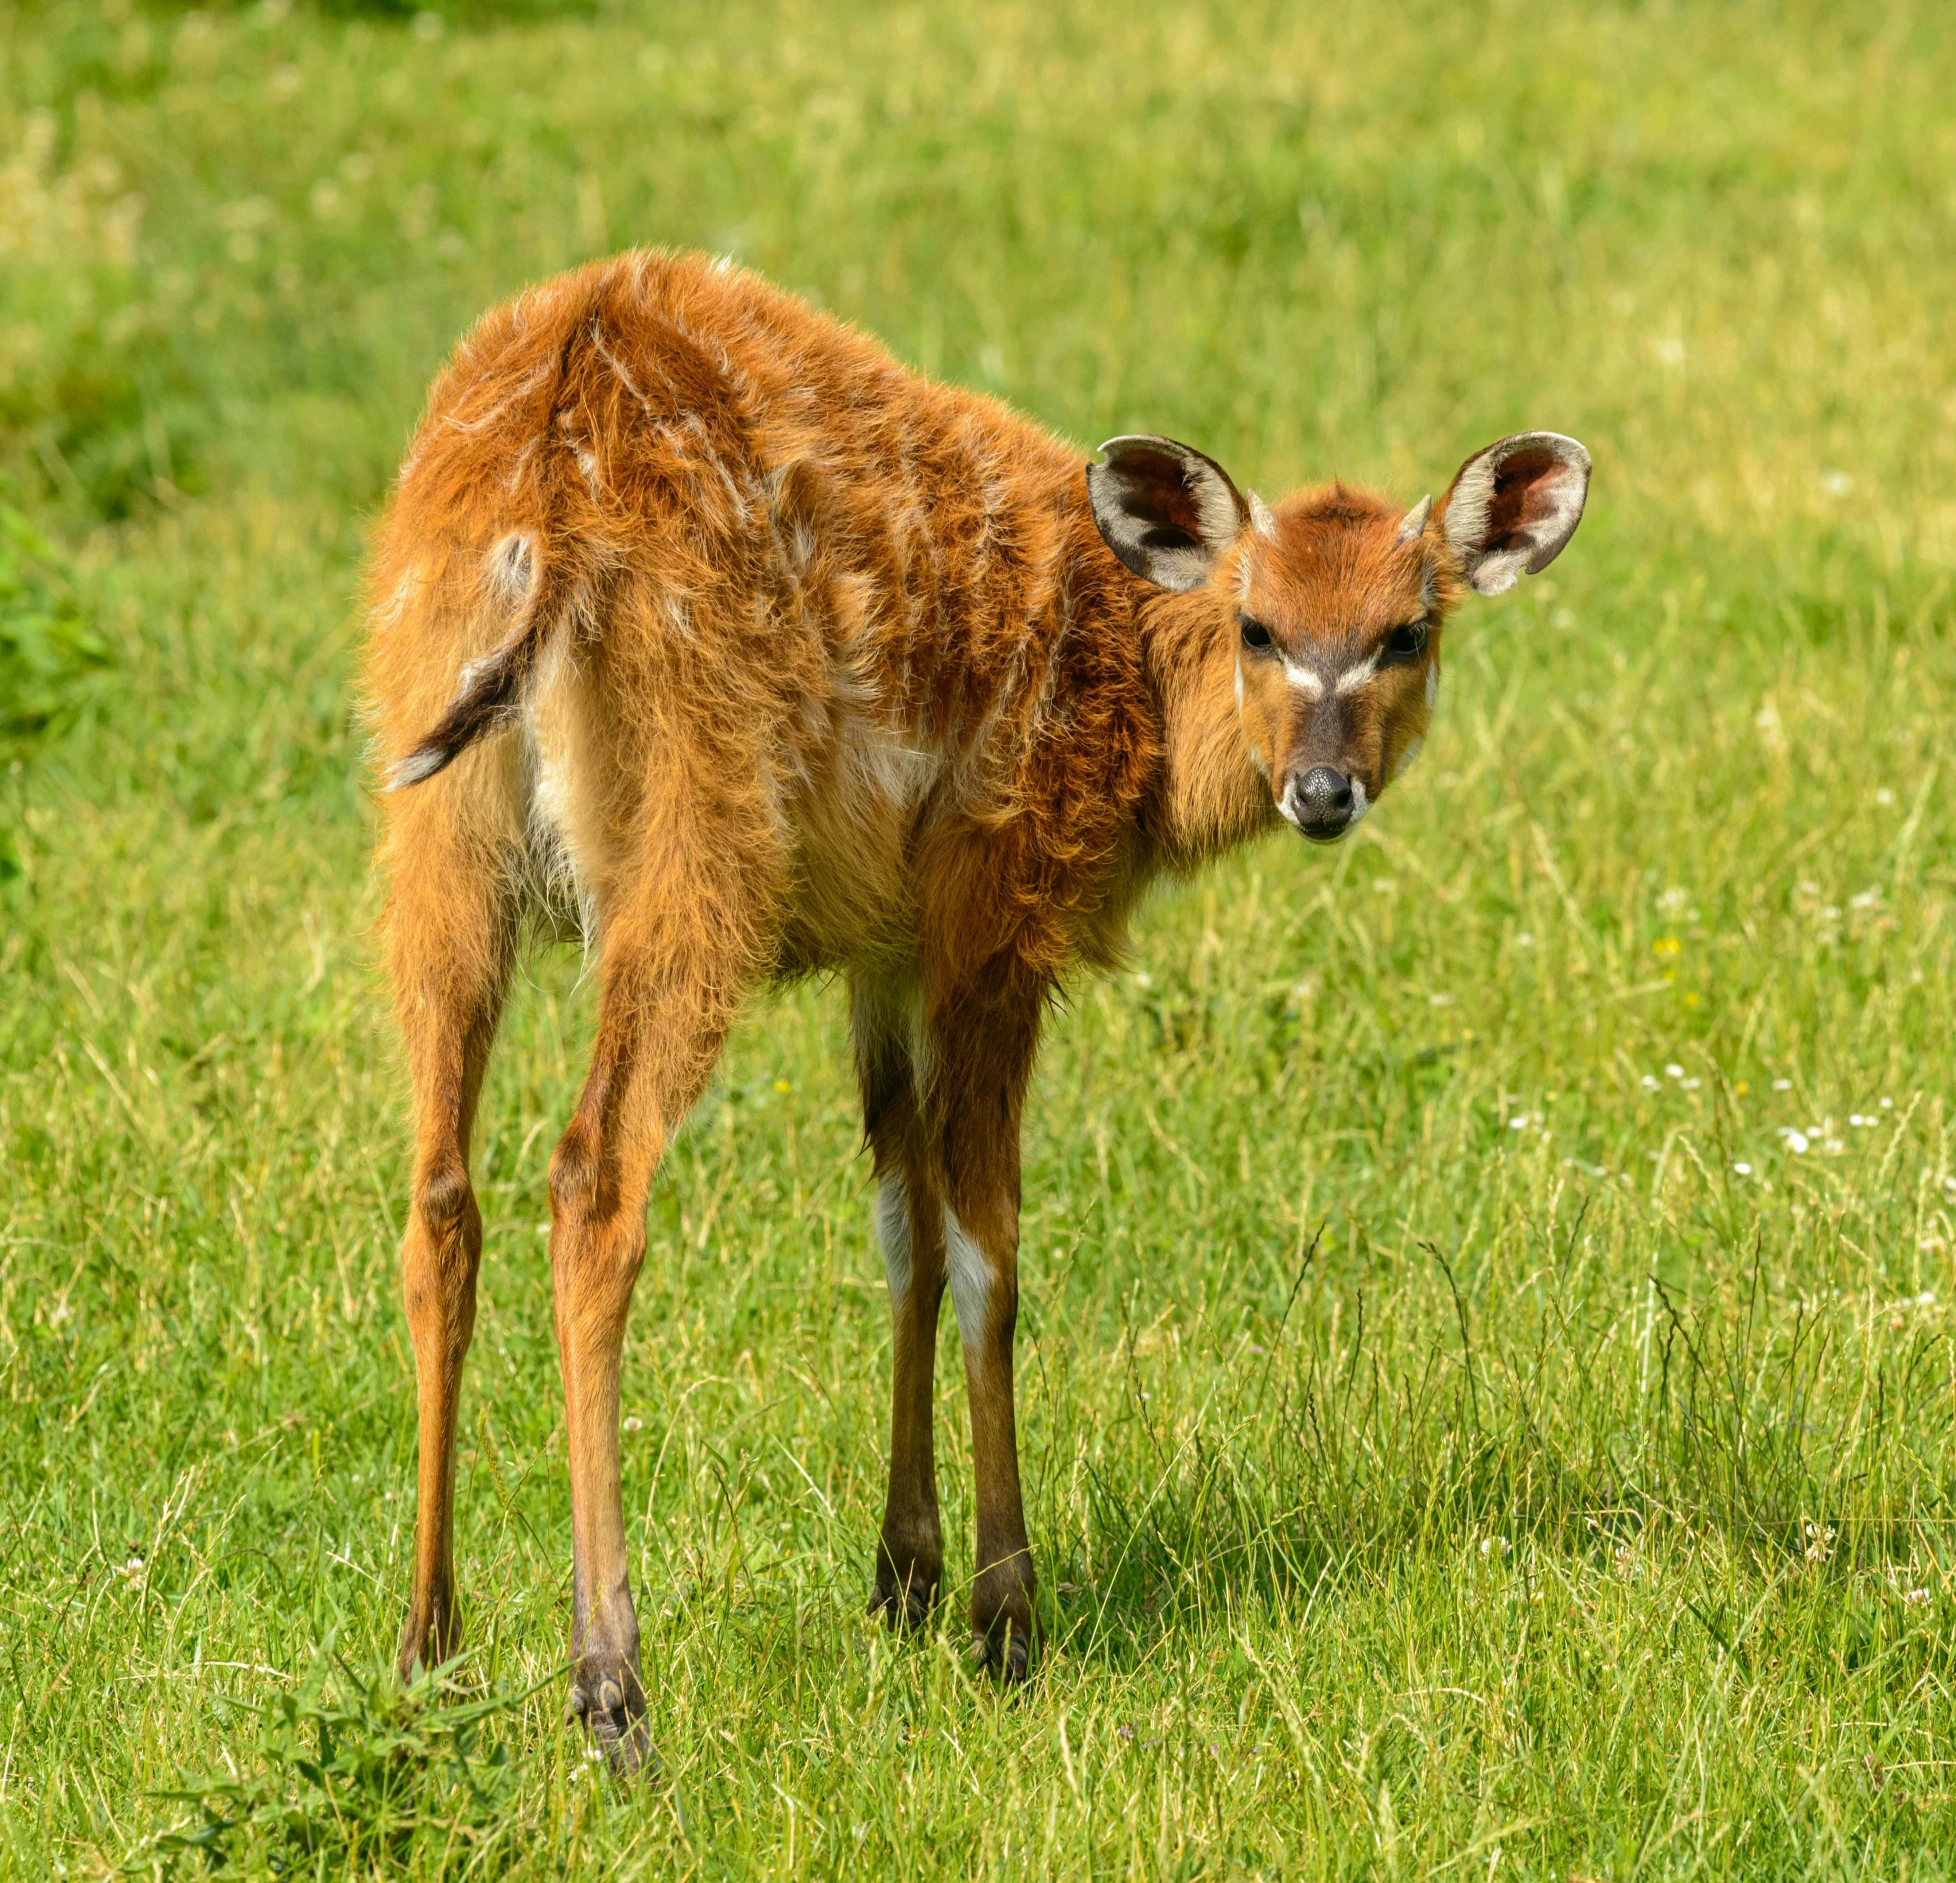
905	1604
1005	1649
611	1704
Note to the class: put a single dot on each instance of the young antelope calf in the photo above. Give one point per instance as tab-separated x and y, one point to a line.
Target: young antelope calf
706	629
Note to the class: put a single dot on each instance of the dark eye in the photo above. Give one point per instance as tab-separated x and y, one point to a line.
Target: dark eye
1407	642
1255	634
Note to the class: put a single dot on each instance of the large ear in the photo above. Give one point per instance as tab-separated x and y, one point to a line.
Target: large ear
1513	506
1166	510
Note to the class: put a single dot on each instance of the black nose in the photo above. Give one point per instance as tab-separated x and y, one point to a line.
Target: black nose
1322	799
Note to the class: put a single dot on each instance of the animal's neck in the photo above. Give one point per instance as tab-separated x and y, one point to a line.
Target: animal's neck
1211	798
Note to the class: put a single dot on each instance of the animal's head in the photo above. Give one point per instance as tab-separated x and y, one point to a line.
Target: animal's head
1336	598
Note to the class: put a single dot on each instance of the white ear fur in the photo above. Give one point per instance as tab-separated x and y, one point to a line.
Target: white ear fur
1260	518
1513	506
1413	526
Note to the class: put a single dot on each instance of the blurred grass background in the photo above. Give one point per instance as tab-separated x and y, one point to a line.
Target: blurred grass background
1487	1382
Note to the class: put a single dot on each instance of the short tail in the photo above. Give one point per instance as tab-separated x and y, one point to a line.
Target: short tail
492	687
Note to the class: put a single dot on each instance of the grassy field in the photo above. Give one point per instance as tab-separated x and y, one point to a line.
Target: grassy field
1488	1392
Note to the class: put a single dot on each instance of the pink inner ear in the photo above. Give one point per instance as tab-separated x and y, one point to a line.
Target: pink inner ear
1525	492
1157	489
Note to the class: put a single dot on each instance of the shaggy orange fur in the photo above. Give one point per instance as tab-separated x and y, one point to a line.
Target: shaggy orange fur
704	628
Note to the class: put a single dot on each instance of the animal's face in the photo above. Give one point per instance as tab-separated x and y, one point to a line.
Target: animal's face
1335	599
1337	617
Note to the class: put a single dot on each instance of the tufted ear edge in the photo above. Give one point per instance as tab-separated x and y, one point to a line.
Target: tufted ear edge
1167	511
1513	506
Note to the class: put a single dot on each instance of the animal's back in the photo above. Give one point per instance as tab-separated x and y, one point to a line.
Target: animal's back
872	606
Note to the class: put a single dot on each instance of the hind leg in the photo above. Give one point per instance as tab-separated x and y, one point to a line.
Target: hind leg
910	1227
675	961
449	928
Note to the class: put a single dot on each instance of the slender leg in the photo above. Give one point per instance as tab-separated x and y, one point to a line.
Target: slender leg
984	1033
673	970
910	1226
449	930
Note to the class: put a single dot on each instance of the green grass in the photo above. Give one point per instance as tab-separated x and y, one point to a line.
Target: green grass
1444	1455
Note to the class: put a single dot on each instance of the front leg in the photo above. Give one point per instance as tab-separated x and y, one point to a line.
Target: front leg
910	1228
985	1036
910	1549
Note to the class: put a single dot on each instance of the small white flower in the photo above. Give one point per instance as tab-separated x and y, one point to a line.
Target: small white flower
1836	483
1918	1596
1519	1122
1796	1141
1926	1299
1855	1119
1690	1085
1888	1104
1439	1000
1674	1071
633	1423
1782	1085
1652	1084
1883	795
1744	1170
1524	940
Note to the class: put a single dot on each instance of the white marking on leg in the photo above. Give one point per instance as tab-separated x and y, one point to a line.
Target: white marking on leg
559	836
971	1279
893	1232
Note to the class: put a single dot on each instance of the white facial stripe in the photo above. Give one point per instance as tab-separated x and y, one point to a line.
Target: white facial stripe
971	1279
1307	680
893	1232
1287	806
1360	803
1353	679
1432	687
